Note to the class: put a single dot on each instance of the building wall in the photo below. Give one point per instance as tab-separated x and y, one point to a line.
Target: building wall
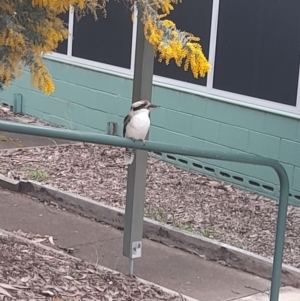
86	100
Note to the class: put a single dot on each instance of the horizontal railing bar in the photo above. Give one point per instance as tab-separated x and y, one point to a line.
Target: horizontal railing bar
124	142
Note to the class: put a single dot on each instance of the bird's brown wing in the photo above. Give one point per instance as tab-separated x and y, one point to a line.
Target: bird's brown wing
125	122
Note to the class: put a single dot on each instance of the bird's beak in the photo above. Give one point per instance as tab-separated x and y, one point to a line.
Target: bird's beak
151	106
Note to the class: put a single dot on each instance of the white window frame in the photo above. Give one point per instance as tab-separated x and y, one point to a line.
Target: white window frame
205	91
85	63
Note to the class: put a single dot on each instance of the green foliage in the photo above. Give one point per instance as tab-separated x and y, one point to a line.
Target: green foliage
37	175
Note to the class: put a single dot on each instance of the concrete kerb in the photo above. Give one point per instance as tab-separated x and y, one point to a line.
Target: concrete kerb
51	249
171	236
287	293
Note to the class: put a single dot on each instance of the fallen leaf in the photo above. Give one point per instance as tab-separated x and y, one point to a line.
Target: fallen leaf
39	240
100	289
109	298
51	240
8	286
25	279
49	293
4	292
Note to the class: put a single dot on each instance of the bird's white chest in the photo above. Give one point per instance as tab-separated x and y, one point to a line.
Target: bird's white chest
138	126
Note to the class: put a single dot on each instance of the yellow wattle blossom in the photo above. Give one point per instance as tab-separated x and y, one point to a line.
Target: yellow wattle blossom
154	35
168	23
5	74
171	43
25	38
41	77
49	86
166	6
12	39
58	5
7	7
197	61
53	32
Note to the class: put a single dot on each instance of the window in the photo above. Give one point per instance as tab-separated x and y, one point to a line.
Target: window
193	16
107	40
63	47
258	48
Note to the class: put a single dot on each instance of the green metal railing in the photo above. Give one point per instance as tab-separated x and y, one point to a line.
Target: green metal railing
186	151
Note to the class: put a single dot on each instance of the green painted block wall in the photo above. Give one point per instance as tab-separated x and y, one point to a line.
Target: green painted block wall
86	100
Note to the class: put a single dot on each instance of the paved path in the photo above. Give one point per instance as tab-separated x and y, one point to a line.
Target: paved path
14	140
171	268
286	294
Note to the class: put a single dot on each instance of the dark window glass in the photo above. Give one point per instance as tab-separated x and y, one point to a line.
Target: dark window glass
63	47
193	16
107	40
258	47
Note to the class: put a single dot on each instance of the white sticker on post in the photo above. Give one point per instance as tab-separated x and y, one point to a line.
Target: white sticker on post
136	249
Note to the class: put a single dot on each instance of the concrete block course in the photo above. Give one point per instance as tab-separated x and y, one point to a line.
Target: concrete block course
234	137
286	127
264	145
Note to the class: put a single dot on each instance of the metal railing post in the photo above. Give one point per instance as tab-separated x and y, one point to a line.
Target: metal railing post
136	176
280	232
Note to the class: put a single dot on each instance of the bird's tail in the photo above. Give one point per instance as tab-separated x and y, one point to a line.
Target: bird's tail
129	156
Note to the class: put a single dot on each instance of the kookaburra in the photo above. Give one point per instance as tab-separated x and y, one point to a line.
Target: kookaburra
136	125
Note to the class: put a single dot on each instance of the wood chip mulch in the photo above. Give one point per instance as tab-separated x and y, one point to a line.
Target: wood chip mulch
31	273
